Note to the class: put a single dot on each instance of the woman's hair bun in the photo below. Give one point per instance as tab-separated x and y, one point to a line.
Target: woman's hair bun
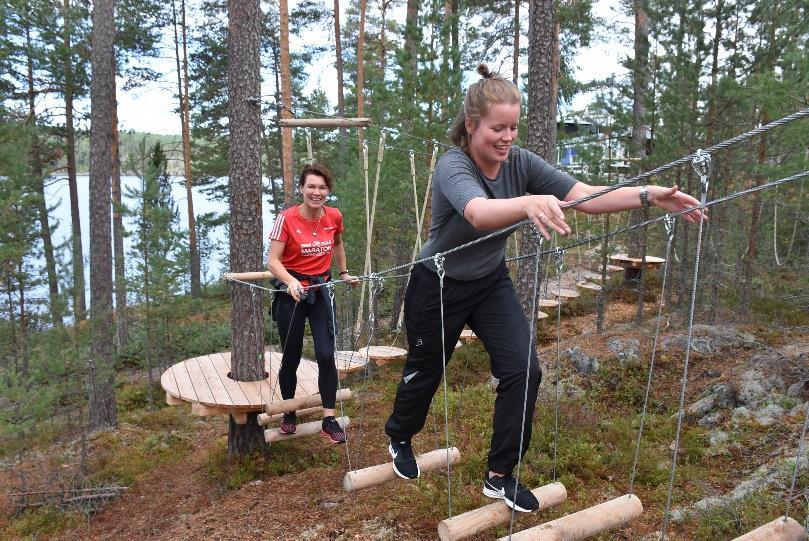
484	72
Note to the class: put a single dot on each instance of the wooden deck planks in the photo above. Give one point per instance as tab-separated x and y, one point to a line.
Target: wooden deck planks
205	384
184	385
221	363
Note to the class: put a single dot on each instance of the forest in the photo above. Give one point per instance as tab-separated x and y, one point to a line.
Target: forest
94	309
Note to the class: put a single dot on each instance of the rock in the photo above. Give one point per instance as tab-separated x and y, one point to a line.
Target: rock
756	388
711	420
768	414
707	339
721	395
718	437
741	413
583	362
627	350
494	382
799	389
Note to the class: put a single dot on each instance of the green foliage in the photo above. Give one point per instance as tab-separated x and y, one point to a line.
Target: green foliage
738	517
36	523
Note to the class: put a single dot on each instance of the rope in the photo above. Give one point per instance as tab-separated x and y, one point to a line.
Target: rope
559	254
669	223
797	463
701	164
330	289
439	265
531	342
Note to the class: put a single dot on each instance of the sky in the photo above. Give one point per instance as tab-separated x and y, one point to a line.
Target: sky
598	61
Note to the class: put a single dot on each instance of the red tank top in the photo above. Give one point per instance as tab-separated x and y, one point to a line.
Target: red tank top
308	244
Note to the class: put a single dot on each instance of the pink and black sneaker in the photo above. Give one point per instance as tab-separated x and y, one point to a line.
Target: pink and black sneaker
331	430
289	423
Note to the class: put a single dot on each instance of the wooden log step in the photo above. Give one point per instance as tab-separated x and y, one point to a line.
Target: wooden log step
591	275
248	276
324	122
541	315
265	419
376	475
304	429
489	516
301	402
585	523
780	529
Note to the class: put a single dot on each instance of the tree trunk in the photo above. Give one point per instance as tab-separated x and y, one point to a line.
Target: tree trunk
244	119
637	150
338	64
543	73
121	313
286	99
752	237
185	123
102	90
515	66
79	300
38	184
361	73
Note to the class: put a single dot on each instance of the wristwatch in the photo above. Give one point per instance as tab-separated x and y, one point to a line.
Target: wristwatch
644	197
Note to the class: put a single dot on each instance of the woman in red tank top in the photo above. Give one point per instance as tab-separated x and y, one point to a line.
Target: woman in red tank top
303	242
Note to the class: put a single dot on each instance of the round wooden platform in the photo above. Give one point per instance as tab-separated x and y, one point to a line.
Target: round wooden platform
541	316
614	268
204	381
564	293
467	335
626	262
349	361
548	303
591	275
588	286
383	354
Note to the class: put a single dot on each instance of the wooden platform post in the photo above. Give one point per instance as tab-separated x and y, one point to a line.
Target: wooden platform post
780	529
302	402
489	516
585	523
172	400
305	429
376	475
324	122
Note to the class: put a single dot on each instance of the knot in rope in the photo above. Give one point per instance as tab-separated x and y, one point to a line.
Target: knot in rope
702	165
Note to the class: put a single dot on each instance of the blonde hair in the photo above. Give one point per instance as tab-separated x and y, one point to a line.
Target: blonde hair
491	89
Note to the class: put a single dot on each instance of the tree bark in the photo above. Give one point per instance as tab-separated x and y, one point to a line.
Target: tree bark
79	299
185	123
37	183
244	119
543	76
286	98
361	73
515	66
338	64
121	313
102	408
640	85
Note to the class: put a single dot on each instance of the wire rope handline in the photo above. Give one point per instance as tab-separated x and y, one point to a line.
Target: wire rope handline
702	165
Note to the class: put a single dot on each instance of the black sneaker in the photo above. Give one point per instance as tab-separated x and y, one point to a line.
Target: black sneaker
513	493
332	431
404	463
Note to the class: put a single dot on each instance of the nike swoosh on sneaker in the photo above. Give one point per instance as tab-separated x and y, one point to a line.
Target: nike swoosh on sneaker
408	377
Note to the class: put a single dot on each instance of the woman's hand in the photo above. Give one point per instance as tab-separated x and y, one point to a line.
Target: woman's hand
545	212
294	288
673	200
350	278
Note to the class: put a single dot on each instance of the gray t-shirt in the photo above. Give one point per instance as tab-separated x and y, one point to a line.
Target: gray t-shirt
457	181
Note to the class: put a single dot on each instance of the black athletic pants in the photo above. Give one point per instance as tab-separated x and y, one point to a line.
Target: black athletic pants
291	318
490	307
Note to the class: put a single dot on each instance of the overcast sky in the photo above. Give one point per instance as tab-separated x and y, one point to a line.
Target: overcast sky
150	109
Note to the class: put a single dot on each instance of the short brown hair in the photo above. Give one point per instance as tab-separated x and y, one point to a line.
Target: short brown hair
319	170
480	96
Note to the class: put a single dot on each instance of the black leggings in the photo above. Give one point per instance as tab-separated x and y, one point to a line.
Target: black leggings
490	307
291	318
